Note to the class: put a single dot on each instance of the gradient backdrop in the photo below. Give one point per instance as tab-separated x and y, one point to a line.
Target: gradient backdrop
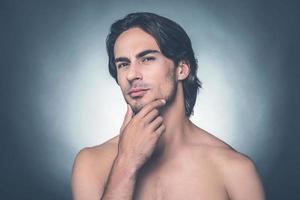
58	97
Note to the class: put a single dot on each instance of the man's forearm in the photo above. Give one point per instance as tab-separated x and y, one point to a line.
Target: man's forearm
121	181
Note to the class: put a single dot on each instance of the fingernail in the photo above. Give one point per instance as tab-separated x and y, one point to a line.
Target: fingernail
163	101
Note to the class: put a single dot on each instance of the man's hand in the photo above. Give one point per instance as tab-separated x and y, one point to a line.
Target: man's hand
140	133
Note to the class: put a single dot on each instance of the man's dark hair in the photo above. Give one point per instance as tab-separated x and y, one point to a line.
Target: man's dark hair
173	42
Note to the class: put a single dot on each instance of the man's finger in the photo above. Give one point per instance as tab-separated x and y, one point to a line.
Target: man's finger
160	130
151	106
156	123
151	115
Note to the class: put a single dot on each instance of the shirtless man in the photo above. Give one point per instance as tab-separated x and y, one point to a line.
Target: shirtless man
160	153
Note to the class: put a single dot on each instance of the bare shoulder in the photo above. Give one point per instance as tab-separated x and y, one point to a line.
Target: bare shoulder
240	176
91	169
104	150
238	171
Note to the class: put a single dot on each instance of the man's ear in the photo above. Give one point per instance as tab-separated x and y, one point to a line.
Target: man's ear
183	70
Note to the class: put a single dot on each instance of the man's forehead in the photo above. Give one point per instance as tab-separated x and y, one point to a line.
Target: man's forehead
134	41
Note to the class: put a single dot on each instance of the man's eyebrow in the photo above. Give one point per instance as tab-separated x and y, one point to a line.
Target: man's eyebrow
121	59
145	52
139	55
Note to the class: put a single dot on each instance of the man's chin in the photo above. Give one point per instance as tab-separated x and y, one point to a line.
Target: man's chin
136	110
139	104
138	107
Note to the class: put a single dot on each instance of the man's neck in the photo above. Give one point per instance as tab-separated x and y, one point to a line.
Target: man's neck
177	125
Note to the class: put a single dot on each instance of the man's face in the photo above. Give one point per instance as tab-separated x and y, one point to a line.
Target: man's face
144	73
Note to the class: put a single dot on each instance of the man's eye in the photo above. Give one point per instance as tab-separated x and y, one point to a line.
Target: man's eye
147	59
122	65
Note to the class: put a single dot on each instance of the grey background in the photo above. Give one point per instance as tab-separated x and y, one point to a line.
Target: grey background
57	96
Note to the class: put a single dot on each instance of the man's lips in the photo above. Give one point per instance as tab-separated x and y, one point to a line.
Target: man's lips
136	92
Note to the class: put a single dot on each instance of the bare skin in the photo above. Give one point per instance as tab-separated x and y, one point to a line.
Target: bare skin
160	153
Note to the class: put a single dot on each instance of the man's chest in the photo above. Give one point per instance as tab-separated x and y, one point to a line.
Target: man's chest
180	183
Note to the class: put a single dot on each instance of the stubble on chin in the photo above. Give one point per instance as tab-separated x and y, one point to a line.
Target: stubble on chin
135	106
136	109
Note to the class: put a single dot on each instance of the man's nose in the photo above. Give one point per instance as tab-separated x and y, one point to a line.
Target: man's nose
134	72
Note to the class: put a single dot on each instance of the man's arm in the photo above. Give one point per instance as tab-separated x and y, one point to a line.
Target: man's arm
121	181
138	138
139	135
242	180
